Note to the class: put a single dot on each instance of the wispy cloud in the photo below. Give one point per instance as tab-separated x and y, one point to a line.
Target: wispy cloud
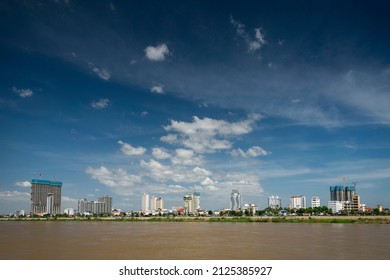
23	92
24	184
101	103
254	151
14	196
157	53
129	150
103	74
253	43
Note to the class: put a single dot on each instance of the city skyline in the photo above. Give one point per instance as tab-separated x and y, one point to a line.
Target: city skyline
190	203
121	98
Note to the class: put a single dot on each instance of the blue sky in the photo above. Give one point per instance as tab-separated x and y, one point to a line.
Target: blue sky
124	97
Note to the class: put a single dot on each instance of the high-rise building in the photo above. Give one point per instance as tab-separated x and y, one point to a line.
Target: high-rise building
274	202
197	200
191	203
315	202
108	203
298	202
347	196
235	200
153	204
45	197
145	203
50	204
160	203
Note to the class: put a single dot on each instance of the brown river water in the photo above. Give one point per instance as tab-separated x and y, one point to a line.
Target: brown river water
192	241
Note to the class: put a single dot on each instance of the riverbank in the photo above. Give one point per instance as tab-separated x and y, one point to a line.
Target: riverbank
263	219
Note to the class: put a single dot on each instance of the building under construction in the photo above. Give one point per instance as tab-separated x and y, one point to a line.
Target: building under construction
347	196
45	197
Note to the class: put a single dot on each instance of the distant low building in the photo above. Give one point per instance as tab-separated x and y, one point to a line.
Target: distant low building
335	206
69	211
315	202
274	202
103	206
20	213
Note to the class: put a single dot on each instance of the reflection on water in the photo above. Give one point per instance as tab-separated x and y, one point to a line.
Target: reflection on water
148	240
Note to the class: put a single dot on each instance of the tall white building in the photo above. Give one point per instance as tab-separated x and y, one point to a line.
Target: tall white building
145	203
153	204
274	202
191	203
298	202
50	204
235	200
315	202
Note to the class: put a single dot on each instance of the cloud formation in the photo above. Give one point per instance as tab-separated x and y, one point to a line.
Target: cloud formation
180	170
157	53
23	92
253	43
102	73
119	180
129	150
14	196
206	135
254	151
101	103
24	184
157	89
160	153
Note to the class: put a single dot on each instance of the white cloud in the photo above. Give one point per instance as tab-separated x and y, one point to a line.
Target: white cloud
157	53
296	101
102	73
24	184
118	179
254	151
160	153
186	157
174	173
207	135
101	104
129	150
157	89
23	92
253	43
170	138
15	196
